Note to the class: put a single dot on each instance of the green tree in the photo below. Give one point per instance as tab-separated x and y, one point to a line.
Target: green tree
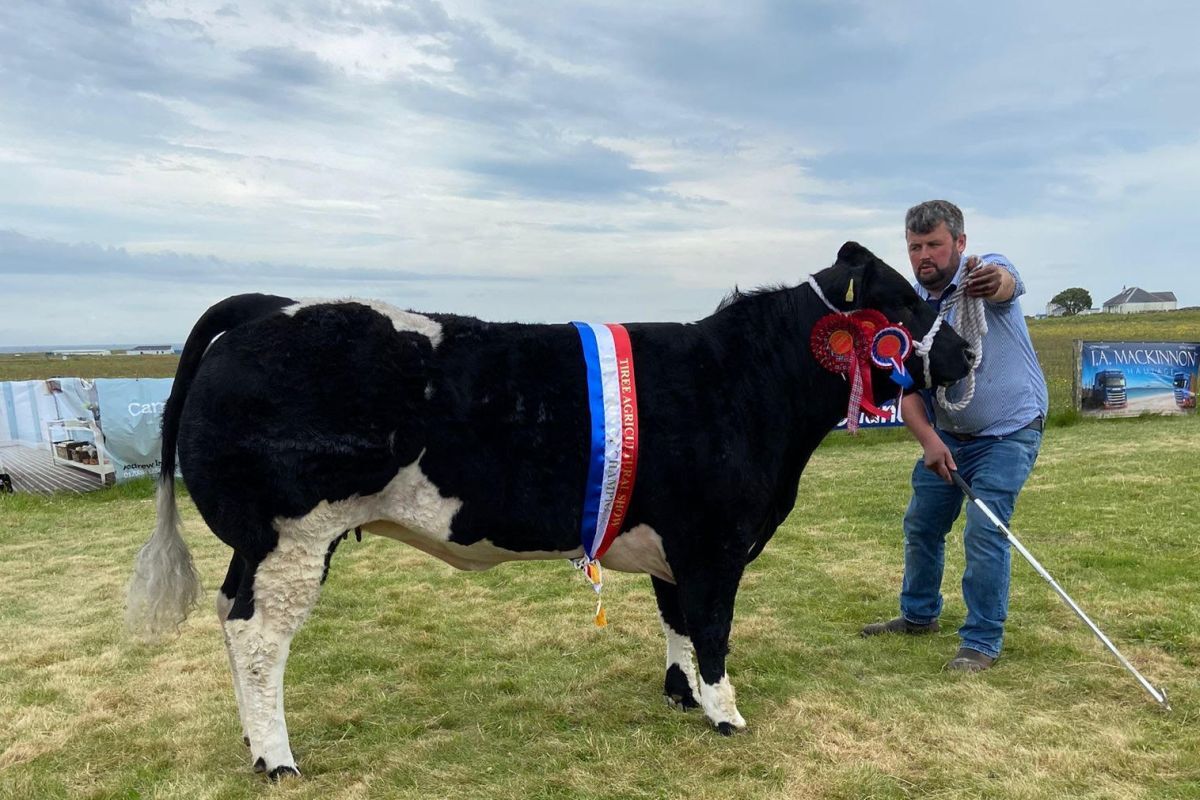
1072	300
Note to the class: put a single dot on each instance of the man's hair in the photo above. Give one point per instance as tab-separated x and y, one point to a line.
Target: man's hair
923	218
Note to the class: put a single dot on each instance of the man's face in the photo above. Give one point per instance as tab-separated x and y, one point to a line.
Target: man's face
935	256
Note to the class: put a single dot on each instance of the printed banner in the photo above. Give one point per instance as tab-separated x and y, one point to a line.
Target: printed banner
1125	379
50	437
131	416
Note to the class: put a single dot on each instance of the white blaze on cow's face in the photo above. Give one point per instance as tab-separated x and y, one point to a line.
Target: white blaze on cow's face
402	321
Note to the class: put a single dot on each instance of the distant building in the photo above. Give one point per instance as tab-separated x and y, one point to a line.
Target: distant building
80	353
1133	300
151	350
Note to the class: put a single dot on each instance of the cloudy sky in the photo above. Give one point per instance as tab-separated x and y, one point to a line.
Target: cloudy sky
541	160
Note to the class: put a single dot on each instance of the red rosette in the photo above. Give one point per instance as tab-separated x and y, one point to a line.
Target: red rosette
836	342
841	344
890	346
871	322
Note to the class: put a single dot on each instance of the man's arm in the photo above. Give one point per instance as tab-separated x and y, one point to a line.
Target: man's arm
991	282
937	455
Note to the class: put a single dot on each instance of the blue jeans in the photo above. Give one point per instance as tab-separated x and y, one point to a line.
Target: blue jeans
995	467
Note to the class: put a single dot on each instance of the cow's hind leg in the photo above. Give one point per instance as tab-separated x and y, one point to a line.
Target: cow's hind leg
226	596
706	596
679	686
273	600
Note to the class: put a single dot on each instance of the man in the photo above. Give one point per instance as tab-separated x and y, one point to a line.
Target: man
993	442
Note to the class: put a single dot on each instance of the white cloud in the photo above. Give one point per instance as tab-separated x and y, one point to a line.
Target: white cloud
683	147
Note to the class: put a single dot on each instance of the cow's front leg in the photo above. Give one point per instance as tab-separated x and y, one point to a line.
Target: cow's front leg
707	597
680	685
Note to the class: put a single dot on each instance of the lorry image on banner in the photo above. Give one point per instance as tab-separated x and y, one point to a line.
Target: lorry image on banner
1185	390
1108	390
1125	379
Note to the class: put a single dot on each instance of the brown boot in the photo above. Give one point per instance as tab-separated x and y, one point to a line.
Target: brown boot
900	625
966	660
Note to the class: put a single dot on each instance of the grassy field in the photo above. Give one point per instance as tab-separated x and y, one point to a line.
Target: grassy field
32	367
413	680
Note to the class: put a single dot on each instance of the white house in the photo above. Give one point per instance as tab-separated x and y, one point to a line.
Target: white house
1132	300
150	350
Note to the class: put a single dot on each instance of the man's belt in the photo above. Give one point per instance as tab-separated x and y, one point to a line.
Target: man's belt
1036	425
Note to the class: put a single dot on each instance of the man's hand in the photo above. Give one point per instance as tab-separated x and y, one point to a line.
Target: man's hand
938	458
988	281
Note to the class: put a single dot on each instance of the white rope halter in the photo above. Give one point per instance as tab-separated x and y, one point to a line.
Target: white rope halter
970	323
812	281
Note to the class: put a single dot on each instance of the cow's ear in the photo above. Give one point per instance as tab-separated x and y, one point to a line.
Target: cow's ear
853	254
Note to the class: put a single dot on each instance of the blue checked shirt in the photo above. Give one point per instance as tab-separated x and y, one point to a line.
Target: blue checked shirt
1010	391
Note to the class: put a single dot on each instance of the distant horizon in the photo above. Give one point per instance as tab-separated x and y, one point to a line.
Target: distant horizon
21	349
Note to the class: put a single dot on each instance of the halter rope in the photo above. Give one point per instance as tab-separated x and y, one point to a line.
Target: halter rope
971	324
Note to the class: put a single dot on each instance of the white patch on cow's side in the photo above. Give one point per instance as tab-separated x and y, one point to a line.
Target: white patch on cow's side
411	509
719	703
480	555
679	654
638	550
224	606
411	500
401	320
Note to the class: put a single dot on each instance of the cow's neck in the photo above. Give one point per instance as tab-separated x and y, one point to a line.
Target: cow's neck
764	349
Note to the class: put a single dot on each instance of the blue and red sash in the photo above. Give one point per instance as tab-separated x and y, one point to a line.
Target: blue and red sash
613	452
612	459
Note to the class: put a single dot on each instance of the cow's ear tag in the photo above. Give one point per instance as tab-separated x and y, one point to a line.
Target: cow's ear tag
850	292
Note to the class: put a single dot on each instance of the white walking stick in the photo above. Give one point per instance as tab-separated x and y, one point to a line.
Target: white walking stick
1159	695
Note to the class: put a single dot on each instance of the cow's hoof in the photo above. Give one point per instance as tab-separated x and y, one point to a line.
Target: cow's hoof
260	765
282	772
726	728
681	702
677	690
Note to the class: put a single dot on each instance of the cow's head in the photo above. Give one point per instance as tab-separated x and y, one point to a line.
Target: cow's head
858	280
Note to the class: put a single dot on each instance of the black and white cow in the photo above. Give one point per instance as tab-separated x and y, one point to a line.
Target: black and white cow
468	440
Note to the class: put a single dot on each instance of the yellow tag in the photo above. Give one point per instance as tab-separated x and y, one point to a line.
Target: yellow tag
850	292
601	618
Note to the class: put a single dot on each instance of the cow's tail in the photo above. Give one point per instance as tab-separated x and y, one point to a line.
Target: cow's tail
165	586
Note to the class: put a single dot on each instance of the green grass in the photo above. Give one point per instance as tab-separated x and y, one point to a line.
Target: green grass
414	680
38	366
